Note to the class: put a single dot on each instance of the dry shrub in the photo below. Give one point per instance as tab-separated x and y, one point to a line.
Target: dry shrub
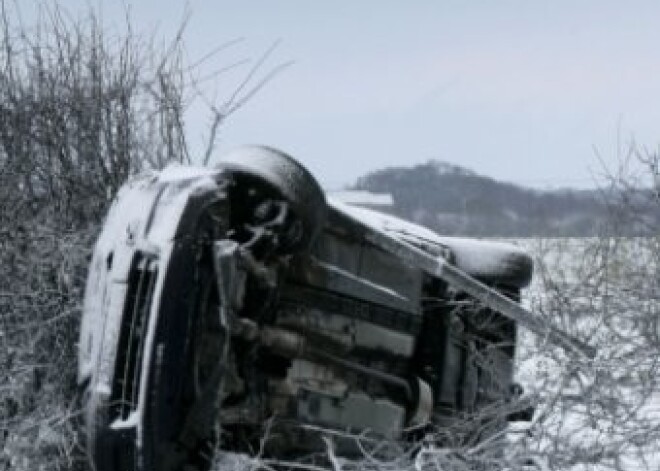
80	110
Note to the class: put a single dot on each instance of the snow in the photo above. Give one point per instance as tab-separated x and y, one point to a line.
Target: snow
361	197
471	255
176	172
172	202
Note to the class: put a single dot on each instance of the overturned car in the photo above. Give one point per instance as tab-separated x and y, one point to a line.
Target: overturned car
224	301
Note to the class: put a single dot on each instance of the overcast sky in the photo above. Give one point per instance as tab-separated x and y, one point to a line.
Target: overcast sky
518	90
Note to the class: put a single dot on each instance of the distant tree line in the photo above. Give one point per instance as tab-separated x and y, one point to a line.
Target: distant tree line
456	201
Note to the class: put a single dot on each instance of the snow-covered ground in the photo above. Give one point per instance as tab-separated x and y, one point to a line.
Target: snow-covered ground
599	414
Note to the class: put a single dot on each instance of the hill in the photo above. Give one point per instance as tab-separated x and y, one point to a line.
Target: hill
454	200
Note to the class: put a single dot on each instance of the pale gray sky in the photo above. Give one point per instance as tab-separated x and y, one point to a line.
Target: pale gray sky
519	90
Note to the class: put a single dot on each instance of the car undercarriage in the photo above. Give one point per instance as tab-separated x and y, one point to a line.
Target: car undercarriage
230	302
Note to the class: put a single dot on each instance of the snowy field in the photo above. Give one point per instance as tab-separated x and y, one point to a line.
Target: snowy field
601	414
